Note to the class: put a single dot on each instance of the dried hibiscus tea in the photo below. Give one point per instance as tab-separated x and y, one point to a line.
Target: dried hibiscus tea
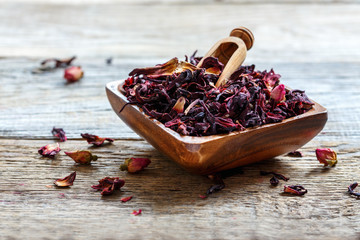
184	98
82	157
126	199
219	184
133	165
295	189
295	154
73	74
137	212
274	181
108	185
49	150
351	189
95	140
327	156
60	133
66	181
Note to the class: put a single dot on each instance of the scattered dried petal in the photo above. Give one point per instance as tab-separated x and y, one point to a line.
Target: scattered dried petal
58	63
125	199
60	133
73	74
137	212
278	93
61	195
49	186
295	154
327	156
66	181
295	189
49	150
133	165
108	185
202	196
351	189
219	184
274	181
95	140
276	176
82	157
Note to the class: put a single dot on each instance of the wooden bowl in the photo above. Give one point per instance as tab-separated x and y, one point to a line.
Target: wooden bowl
210	154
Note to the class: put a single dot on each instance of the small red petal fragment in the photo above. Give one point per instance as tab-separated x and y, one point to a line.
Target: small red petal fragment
327	156
66	181
202	196
137	212
49	150
82	157
125	199
73	74
108	185
278	93
60	133
133	165
95	140
295	189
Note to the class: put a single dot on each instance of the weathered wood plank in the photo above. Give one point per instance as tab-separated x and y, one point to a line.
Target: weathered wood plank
169	198
283	32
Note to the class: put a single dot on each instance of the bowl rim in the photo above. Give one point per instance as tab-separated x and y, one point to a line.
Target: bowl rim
113	86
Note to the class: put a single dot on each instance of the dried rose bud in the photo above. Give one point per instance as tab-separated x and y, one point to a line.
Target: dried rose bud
179	105
133	165
82	157
295	189
73	74
49	150
278	93
95	140
108	185
125	199
137	212
326	156
66	181
60	133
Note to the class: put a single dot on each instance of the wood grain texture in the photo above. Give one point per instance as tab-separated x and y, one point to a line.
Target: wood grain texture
169	198
313	46
293	32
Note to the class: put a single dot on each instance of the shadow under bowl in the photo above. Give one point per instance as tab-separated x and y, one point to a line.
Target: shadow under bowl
210	154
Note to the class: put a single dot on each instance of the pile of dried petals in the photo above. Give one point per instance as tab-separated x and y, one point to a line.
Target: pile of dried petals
184	97
108	185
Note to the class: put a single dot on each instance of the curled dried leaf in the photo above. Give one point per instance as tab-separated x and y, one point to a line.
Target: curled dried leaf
95	140
66	181
73	74
295	189
82	157
125	199
166	69
327	156
49	150
60	133
133	165
108	185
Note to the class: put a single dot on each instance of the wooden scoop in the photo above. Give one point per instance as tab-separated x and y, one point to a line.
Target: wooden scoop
231	52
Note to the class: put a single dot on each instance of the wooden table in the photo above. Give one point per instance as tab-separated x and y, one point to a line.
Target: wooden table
314	45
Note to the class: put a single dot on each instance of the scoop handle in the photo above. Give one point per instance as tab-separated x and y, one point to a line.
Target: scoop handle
231	51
